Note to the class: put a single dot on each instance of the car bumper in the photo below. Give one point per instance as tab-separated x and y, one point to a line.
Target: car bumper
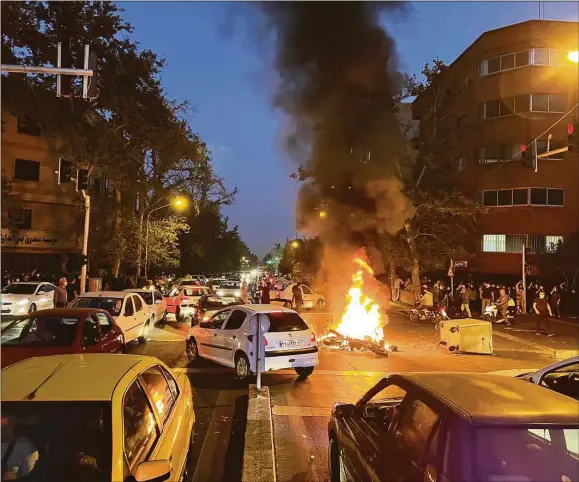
276	361
187	311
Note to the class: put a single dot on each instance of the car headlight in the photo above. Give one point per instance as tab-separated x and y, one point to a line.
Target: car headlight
237	293
22	302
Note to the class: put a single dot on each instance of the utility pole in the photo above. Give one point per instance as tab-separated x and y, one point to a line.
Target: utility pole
83	268
524	278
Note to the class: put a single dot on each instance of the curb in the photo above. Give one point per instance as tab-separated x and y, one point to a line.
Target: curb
259	453
564	354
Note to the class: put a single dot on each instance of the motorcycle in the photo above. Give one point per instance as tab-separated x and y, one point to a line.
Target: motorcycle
491	314
434	315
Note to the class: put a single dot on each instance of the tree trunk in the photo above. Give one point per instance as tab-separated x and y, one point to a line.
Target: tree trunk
415	272
141	214
116	262
392	273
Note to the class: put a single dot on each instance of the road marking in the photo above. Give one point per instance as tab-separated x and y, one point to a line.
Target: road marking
291	411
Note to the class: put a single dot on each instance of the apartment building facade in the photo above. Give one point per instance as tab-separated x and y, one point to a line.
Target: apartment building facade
516	83
48	226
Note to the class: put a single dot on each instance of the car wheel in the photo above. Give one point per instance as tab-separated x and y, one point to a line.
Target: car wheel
242	366
414	316
163	321
304	372
192	350
337	472
145	334
287	304
178	315
32	308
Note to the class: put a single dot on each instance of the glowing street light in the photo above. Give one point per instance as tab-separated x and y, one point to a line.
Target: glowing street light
179	203
573	56
295	244
323	214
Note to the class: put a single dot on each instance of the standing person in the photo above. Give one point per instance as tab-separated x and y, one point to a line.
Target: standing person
503	304
397	287
465	301
531	295
60	293
264	293
485	295
436	293
519	296
298	296
72	289
555	301
244	291
542	309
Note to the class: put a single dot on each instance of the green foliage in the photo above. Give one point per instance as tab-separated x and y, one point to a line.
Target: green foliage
561	260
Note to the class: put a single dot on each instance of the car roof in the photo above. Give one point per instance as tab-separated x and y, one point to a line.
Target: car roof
104	294
193	286
65	312
29	283
88	377
266	308
490	399
139	290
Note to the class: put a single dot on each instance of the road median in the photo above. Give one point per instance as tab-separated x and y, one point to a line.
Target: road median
259	454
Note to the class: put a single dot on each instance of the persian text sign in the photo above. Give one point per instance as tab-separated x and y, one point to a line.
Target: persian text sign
31	239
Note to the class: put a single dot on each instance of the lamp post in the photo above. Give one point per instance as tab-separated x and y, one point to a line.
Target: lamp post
178	202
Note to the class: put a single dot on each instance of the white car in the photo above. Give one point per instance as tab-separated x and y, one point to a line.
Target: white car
561	376
155	302
128	309
25	297
225	338
229	288
282	293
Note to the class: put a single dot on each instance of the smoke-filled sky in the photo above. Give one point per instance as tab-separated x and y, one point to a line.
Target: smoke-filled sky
223	74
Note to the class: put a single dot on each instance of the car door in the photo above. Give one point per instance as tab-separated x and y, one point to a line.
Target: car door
308	297
128	320
158	304
109	342
142	314
209	344
41	297
91	335
171	299
227	337
50	289
173	418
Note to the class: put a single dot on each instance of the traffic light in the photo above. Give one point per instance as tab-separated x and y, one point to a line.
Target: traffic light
83	259
526	157
82	179
573	137
64	171
93	91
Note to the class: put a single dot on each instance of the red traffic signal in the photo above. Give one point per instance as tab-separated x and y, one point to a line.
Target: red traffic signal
523	148
570	129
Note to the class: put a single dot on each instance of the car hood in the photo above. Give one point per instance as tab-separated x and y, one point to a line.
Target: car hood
8	298
517	372
14	354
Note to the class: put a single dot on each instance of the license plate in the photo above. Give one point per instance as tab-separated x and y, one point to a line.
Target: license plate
290	344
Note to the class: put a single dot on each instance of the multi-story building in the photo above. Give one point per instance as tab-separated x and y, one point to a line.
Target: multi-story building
512	85
47	228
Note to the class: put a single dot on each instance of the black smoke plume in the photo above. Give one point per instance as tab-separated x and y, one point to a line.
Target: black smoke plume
338	83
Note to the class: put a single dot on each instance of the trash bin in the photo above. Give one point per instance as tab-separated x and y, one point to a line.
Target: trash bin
467	336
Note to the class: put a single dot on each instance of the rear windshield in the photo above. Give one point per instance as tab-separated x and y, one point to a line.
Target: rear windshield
527	453
41	331
212	302
193	291
112	305
285	321
65	441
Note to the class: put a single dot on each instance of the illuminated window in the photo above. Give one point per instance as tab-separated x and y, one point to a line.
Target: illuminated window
494	243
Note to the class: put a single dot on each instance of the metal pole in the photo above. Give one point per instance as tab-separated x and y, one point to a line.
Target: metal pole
535	153
524	280
147	246
85	241
58	64
28	69
85	78
257	366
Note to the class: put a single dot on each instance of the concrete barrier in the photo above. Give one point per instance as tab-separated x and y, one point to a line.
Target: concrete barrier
259	452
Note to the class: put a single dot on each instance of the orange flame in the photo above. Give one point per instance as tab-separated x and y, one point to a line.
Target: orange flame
361	318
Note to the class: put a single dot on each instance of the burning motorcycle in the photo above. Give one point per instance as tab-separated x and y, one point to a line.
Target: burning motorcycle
434	315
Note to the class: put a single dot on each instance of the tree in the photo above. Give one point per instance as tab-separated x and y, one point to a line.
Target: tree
561	260
273	258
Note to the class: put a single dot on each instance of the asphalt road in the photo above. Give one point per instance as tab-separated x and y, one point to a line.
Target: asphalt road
301	408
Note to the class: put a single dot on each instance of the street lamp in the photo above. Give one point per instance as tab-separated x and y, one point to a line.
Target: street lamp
323	214
178	203
295	244
573	56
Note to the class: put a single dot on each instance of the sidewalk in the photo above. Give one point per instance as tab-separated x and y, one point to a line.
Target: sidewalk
564	343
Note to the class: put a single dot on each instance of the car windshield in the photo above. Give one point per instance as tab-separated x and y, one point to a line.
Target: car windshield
40	331
64	440
112	305
147	296
213	302
281	321
527	453
19	289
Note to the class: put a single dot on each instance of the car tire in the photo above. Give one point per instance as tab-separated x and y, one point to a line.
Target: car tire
192	350
414	317
163	320
304	372
242	368
287	304
337	473
32	308
178	315
145	334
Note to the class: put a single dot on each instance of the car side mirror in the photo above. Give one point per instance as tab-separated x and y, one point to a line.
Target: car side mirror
344	410
153	471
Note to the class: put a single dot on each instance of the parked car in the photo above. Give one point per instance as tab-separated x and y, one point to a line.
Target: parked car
455	427
181	300
282	293
208	305
104	417
129	310
225	339
60	331
26	297
156	304
562	376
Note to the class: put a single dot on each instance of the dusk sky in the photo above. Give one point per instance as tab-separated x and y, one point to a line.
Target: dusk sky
229	84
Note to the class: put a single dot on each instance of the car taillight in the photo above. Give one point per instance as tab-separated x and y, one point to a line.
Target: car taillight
313	338
185	301
264	341
250	338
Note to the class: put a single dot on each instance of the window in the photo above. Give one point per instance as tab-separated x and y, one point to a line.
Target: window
540	102
493	65
492	109
557	103
389	393
490	198
139	425
138	303
306	290
90	332
282	321
29	126
538	196
416	423
540	56
522	58
555	197
172	383
26	221
26	170
129	308
49	288
505	197
516	60
104	322
507	106
493	243
158	296
159	391
520	197
508	62
522	103
235	320
554	57
216	322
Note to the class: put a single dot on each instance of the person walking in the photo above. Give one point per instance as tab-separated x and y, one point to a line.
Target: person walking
264	293
543	311
60	293
465	301
485	292
71	289
555	301
298	296
502	304
244	291
397	287
436	293
519	296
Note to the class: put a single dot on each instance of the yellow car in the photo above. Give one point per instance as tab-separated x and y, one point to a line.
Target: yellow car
97	417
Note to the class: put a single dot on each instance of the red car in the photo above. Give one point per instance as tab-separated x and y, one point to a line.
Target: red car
181	300
59	332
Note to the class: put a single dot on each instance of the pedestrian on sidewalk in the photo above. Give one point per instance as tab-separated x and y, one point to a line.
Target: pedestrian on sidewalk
519	296
436	294
543	311
298	296
555	301
465	301
397	287
486	295
60	294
